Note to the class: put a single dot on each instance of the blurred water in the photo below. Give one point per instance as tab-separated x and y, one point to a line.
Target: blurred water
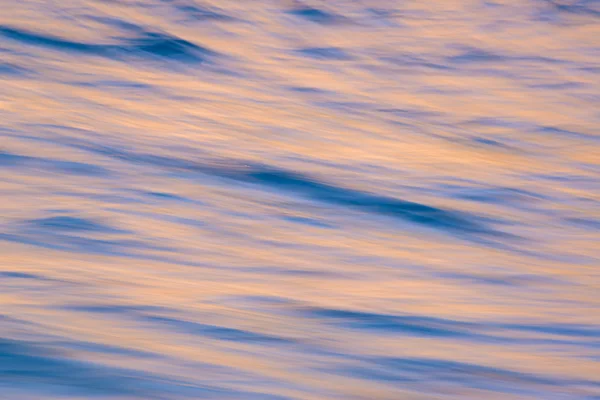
265	199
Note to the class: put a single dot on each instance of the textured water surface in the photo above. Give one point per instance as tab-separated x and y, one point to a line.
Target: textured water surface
269	199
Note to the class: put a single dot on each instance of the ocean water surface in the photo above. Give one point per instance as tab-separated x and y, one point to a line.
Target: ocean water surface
300	200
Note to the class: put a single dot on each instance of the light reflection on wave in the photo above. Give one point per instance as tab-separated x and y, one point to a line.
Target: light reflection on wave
299	200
